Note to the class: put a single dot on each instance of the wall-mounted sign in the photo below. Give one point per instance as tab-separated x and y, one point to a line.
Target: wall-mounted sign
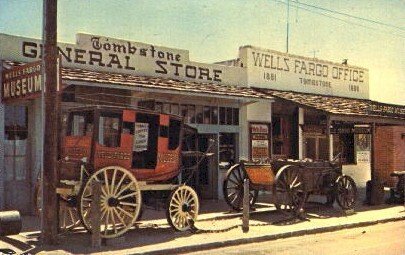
349	129
105	54
387	109
260	144
277	70
363	157
22	81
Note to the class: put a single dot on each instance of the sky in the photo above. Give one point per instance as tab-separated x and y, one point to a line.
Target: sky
214	30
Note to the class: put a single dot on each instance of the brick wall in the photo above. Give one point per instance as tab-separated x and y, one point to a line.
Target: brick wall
389	152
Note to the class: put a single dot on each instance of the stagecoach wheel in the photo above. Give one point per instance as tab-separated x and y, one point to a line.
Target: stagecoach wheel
233	188
182	209
68	214
346	192
120	201
289	190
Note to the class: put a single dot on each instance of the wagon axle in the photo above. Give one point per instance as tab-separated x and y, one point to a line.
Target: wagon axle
113	202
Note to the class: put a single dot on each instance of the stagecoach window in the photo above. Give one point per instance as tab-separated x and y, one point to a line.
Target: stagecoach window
81	124
109	130
174	133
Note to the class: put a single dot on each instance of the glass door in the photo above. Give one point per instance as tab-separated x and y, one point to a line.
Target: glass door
17	183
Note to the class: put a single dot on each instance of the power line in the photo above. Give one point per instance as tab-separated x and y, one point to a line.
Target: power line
352	16
340	19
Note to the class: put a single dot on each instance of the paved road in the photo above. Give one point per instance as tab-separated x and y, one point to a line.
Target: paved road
386	239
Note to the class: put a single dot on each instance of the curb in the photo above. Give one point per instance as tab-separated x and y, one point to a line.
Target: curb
214	245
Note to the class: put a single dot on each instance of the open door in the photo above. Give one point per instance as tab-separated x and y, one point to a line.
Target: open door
208	168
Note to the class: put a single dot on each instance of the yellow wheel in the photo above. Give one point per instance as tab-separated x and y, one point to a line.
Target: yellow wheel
120	201
182	209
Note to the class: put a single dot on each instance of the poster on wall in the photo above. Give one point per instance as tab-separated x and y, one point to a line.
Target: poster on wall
259	134
363	147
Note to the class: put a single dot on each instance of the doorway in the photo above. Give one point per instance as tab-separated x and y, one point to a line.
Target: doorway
16	159
208	168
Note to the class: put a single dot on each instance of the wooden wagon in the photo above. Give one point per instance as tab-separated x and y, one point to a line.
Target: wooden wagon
291	182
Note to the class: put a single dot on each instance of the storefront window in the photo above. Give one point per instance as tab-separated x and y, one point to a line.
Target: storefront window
16	134
344	144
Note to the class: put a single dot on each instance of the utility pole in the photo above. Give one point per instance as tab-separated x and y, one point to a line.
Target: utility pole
288	21
50	210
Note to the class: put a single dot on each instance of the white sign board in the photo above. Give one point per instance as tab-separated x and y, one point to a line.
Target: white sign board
281	71
141	137
99	53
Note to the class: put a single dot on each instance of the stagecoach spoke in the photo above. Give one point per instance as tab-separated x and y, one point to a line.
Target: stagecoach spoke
113	181
126	187
107	185
129	204
128	195
119	183
115	211
125	212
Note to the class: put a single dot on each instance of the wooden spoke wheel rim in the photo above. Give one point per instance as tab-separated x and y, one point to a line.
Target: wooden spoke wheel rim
233	188
68	214
289	190
120	201
346	192
182	209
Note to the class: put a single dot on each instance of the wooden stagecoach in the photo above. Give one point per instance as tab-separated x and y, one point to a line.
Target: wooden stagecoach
128	151
291	182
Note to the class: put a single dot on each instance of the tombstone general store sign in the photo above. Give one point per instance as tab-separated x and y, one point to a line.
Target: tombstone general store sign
98	53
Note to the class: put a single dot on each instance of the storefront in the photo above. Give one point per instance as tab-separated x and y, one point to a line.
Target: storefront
101	70
322	110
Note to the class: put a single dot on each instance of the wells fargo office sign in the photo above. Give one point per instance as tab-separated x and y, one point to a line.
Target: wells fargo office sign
22	81
282	71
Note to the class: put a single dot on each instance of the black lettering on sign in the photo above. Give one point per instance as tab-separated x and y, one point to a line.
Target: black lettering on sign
161	64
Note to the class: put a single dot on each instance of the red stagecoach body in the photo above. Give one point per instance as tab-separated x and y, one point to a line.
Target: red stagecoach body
146	143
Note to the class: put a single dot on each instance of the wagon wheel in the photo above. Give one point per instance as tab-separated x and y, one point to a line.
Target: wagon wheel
233	188
68	214
120	201
289	190
182	208
346	192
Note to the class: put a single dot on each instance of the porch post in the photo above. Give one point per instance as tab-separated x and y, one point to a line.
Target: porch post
328	137
300	135
2	142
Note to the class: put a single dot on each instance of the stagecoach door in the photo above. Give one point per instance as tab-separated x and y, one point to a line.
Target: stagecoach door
16	160
208	170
